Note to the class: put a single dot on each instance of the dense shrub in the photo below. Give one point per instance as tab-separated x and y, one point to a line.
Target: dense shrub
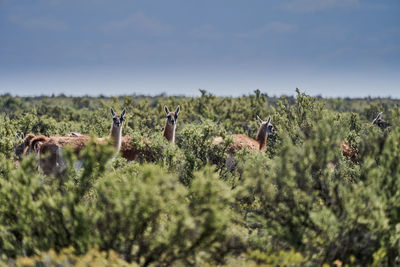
67	257
301	202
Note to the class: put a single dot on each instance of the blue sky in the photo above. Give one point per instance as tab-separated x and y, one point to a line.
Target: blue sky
228	47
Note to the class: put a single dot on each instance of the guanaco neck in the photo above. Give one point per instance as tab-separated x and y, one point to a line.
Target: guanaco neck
262	137
116	136
169	132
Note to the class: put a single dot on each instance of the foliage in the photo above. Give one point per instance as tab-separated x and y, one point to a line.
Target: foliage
192	203
67	257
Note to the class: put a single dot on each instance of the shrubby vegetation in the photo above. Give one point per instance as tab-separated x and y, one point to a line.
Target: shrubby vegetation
301	202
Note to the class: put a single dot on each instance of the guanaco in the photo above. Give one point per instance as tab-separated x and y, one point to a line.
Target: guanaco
241	141
170	124
131	152
350	152
51	149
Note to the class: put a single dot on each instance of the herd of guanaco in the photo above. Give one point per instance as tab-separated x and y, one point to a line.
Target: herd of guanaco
49	150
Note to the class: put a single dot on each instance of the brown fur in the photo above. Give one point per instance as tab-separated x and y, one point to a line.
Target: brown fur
131	152
35	143
48	151
50	162
23	148
262	137
169	132
128	151
77	143
48	158
28	139
241	141
348	151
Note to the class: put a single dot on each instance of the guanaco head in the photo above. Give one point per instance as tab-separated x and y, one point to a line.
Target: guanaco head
266	126
172	117
118	119
380	122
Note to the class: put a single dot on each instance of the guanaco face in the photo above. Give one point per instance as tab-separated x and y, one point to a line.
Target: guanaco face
381	123
170	124
172	117
266	126
117	119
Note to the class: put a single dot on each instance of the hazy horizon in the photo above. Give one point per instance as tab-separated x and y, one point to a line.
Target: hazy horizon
332	48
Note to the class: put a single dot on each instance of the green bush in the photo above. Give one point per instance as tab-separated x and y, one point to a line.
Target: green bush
67	257
301	202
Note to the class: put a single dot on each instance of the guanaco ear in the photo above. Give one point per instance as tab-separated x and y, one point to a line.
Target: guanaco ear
259	120
177	111
166	110
269	119
20	136
112	112
123	114
378	117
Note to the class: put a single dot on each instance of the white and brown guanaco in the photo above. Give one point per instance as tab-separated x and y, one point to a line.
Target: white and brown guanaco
50	149
170	124
241	141
130	151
